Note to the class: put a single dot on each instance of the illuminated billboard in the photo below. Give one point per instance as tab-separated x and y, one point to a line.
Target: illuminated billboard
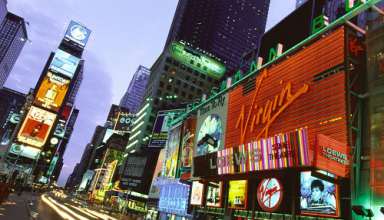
174	196
213	197
270	194
64	63
172	151
78	33
187	142
237	197
60	129
277	152
52	91
36	127
197	193
211	126
332	156
24	151
295	93
317	196
197	61
161	127
154	191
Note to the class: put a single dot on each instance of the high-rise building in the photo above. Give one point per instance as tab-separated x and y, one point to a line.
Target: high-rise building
300	2
13	35
3	10
225	28
133	97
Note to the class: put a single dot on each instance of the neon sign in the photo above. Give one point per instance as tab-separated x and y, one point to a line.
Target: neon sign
269	194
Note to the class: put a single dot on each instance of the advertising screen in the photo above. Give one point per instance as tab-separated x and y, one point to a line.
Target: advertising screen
172	151
52	91
187	142
174	197
77	33
64	63
317	196
60	129
8	128
161	127
211	126
36	127
269	194
197	61
213	197
295	93
108	134
119	119
237	197
197	193
154	192
24	151
86	180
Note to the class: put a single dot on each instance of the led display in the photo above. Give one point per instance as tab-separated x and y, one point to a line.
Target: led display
24	151
237	197
317	196
52	91
211	126
174	198
269	194
154	191
87	178
213	197
187	142
36	127
78	33
197	193
172	151
108	134
64	63
197	61
60	129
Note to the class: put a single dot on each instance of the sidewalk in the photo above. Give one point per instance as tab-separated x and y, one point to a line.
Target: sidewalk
17	207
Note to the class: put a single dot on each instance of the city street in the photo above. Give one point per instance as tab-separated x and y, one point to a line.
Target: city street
46	207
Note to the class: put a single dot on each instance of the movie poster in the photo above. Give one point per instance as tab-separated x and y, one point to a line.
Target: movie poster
317	196
36	127
197	193
237	197
213	198
172	151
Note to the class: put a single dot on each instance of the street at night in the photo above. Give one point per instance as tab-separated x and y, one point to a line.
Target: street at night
192	110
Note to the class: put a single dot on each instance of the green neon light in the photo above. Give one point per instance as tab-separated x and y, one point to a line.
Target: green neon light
253	72
319	23
197	61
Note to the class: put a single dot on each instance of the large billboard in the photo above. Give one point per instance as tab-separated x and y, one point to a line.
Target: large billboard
8	127
211	126
64	63
197	193
36	127
60	129
172	151
24	151
187	144
214	194
77	33
277	152
305	91
317	196
197	61
161	127
119	119
174	196
237	195
52	91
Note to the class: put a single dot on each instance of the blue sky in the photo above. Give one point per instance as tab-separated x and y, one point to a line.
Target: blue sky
125	34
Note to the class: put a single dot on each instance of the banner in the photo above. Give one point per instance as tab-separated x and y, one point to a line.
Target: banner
278	152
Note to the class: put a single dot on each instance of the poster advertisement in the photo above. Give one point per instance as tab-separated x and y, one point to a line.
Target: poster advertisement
211	126
172	151
52	91
187	143
269	194
174	196
77	33
162	126
154	191
64	63
197	193
214	190
237	197
317	196
36	127
60	129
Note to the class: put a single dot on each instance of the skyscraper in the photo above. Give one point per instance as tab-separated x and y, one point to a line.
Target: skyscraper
300	2
225	28
3	10
13	35
133	97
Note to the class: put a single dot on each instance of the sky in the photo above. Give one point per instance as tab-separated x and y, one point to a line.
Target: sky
125	34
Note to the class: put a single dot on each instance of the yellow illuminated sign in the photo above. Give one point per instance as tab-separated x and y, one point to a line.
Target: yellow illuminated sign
52	91
237	194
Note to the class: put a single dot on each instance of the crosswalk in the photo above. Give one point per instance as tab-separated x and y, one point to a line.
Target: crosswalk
69	211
